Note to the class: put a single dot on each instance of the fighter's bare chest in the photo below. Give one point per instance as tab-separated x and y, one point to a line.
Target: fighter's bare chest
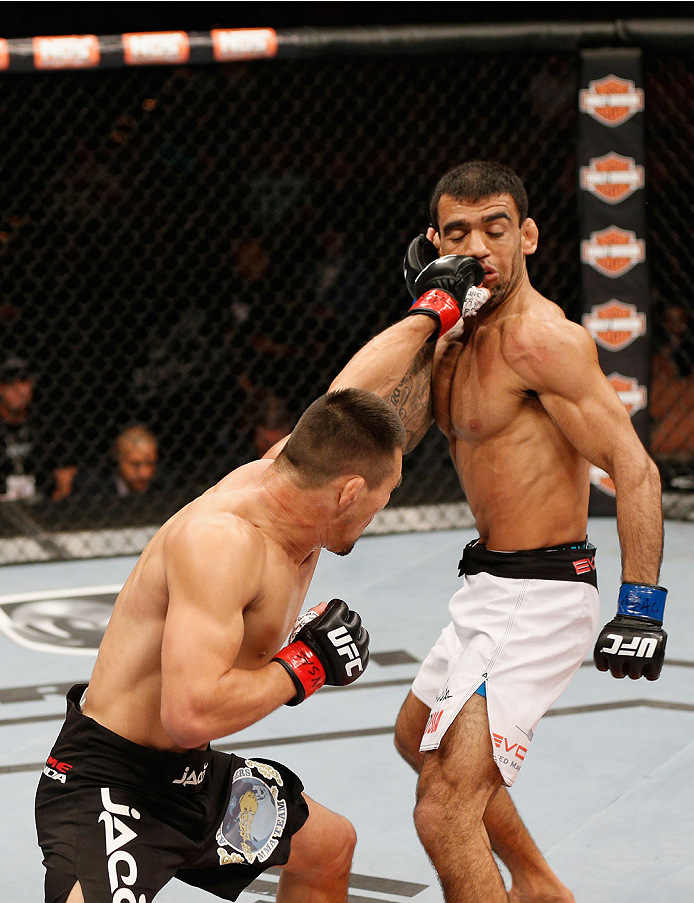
476	394
269	619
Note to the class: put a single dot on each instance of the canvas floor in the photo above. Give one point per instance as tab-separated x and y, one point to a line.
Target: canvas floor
606	789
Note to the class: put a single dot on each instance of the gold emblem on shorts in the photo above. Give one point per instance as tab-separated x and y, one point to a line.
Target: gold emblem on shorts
228	858
248	806
266	770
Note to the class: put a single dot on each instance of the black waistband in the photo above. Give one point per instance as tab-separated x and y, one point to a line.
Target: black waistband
574	562
185	790
139	762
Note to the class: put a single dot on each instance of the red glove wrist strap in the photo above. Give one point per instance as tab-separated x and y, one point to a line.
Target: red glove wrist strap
440	303
304	668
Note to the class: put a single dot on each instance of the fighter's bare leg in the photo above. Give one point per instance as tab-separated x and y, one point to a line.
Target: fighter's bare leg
75	895
456	782
409	729
319	864
533	879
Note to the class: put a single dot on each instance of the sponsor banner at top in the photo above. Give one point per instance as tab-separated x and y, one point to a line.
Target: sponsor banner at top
243	43
611	100
612	177
156	47
163	48
78	51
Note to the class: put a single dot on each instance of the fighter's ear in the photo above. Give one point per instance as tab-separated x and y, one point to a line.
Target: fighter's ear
350	490
529	236
434	237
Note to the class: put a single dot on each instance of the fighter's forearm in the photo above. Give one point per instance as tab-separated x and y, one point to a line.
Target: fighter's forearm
640	522
383	362
238	699
397	365
633	643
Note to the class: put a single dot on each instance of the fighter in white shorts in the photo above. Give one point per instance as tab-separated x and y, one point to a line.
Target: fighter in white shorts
521	625
517	390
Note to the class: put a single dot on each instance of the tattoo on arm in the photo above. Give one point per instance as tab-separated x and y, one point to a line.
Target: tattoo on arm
412	397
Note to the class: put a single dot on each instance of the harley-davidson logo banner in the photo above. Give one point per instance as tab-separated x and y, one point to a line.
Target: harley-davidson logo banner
613	247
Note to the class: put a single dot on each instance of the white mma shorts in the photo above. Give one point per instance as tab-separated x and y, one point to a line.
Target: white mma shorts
521	625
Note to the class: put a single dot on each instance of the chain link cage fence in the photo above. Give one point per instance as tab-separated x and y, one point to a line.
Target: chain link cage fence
190	254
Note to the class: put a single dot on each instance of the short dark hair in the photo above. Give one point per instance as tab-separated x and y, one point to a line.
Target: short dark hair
345	431
476	180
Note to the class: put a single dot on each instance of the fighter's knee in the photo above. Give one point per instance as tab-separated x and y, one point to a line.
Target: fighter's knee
343	841
427	817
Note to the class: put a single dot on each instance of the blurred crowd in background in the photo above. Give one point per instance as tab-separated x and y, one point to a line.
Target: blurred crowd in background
189	255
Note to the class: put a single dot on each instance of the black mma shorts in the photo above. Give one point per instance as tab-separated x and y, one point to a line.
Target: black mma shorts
123	819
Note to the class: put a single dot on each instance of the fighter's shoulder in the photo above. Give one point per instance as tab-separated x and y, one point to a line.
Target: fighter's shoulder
209	529
541	335
242	477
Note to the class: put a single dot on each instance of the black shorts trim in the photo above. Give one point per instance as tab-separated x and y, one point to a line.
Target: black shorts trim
573	562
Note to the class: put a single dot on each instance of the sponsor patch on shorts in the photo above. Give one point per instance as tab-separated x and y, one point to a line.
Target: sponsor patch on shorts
56	770
255	817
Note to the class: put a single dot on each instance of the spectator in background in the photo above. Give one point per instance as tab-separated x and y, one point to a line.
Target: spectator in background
272	337
137	456
18	464
136	471
676	351
33	460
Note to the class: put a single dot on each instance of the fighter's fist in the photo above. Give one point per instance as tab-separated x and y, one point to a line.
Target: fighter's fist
444	287
633	643
453	273
331	648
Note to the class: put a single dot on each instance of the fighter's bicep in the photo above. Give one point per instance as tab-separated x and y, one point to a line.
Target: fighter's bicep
210	583
594	420
558	361
198	649
200	642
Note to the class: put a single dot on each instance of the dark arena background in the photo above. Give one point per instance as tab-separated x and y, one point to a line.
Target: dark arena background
199	228
203	214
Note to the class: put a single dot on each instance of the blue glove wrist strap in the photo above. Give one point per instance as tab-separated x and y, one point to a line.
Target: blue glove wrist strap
640	600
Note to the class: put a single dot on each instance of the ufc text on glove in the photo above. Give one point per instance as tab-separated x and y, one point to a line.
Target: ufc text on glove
633	643
332	648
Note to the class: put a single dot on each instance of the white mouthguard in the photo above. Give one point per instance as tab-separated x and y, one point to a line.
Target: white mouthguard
474	299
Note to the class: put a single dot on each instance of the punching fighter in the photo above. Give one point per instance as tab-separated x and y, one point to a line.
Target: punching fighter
517	390
132	794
